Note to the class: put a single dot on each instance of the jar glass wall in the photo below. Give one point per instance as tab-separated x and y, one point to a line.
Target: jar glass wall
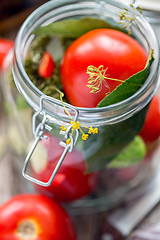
151	10
99	189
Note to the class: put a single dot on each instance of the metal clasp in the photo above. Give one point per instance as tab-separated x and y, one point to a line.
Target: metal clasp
38	132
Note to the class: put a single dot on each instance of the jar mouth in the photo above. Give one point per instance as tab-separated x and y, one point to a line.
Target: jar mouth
147	5
113	113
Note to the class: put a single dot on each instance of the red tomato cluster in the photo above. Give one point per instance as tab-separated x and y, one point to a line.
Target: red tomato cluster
34	217
71	182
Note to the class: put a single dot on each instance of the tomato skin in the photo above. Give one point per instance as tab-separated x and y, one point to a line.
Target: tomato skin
51	219
151	128
120	53
46	66
5	46
71	182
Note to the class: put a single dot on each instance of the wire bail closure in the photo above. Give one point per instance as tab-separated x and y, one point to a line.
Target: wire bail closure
38	132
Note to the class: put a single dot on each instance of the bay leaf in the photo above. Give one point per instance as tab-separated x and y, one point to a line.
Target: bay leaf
100	149
131	155
129	86
73	28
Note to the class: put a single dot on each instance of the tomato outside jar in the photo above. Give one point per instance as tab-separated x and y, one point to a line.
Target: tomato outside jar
88	178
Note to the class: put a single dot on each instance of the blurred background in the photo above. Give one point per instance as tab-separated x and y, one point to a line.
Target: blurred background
13	13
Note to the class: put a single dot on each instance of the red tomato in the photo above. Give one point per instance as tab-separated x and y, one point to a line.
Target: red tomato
119	53
151	127
34	217
71	182
5	46
46	66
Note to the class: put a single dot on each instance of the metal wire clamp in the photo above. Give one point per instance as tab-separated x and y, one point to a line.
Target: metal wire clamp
38	132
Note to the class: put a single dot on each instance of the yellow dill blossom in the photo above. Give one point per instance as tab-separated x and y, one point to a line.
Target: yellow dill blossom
95	131
90	130
127	20
75	125
84	136
68	141
63	128
97	77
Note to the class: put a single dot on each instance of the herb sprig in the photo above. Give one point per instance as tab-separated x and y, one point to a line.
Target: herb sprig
126	18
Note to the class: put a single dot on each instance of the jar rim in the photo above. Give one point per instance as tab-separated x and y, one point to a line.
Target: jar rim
148	5
142	96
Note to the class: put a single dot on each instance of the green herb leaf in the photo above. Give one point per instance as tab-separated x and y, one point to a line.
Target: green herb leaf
72	28
131	155
129	86
102	148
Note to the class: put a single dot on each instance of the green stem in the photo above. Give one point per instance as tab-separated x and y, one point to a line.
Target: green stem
61	94
118	80
113	79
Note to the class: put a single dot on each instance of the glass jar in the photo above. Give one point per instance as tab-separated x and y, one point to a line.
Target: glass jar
100	189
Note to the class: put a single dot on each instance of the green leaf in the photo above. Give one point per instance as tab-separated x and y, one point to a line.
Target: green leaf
129	86
73	28
131	155
100	149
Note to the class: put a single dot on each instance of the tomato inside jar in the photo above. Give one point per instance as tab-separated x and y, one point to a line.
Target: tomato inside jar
120	55
71	182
